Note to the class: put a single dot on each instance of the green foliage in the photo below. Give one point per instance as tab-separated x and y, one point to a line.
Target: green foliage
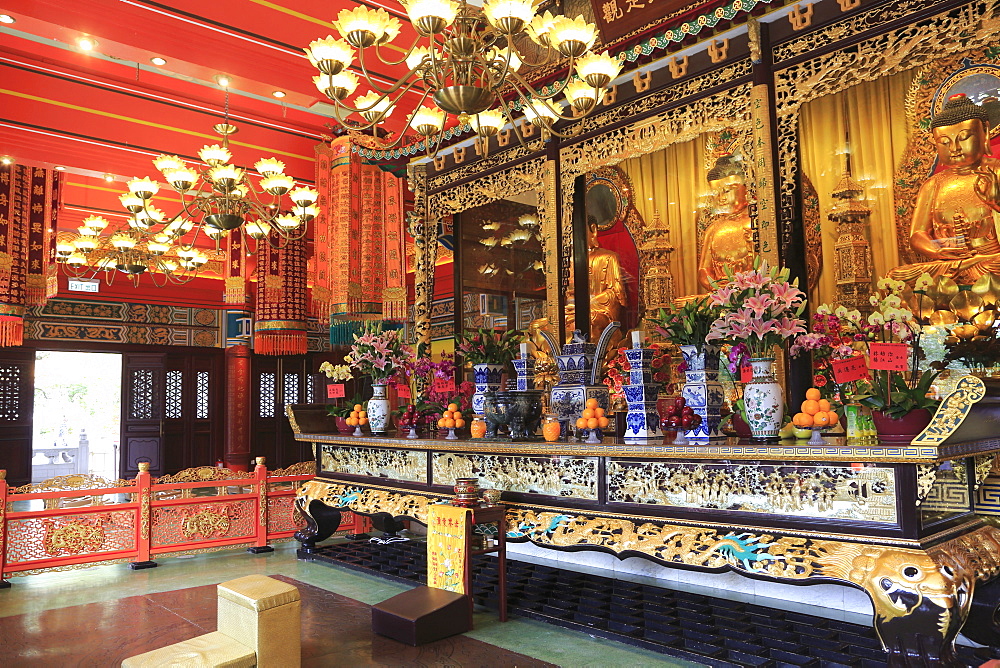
891	394
688	324
344	410
488	346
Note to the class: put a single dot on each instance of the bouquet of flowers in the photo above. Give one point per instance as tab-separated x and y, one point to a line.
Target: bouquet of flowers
835	335
896	393
488	346
688	324
618	369
377	353
760	308
340	372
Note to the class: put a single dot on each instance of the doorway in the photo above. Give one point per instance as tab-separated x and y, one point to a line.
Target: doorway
76	425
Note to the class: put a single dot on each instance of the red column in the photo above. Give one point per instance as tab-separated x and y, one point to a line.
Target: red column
237	455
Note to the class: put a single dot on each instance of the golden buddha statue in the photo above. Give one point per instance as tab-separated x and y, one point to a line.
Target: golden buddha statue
954	221
728	239
608	298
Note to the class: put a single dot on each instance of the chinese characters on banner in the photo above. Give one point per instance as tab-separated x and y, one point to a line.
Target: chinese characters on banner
443	385
616	18
447	545
888	356
847	370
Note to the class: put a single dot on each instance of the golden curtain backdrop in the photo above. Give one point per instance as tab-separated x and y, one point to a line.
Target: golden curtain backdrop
874	115
667	184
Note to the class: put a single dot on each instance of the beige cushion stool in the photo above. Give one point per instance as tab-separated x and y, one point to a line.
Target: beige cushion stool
259	624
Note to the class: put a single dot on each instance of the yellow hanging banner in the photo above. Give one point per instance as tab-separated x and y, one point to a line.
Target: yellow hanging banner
446	547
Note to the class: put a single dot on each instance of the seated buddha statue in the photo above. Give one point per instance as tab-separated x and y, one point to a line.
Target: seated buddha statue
728	239
954	224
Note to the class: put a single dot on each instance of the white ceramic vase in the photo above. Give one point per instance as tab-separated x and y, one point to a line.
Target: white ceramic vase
378	410
765	405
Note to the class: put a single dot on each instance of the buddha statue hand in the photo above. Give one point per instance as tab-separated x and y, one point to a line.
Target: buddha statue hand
988	187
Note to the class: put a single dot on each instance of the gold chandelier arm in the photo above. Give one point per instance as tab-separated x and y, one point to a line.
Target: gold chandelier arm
383	92
549	54
340	105
406	53
509	113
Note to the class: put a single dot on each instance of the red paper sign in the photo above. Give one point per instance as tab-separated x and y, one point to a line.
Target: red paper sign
443	385
335	391
852	368
746	373
403	392
888	356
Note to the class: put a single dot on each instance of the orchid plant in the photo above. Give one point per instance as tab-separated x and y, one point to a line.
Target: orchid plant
339	372
834	335
760	309
377	353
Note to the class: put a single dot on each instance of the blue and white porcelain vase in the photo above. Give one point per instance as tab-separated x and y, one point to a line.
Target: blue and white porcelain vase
487	379
378	409
642	420
703	392
524	367
765	405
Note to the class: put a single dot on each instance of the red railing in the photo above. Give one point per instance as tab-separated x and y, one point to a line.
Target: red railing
80	520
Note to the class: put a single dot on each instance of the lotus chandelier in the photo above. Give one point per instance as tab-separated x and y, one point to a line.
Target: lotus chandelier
469	62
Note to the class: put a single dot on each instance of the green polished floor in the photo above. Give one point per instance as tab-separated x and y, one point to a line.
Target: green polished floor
47	591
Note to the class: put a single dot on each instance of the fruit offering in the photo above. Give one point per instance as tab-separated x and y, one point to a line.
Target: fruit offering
592	417
410	417
451	418
816	412
358	416
680	416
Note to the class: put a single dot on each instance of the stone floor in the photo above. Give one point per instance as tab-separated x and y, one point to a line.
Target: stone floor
37	605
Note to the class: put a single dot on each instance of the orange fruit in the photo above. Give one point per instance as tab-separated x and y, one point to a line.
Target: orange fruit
362	420
810	406
441	423
598	412
449	423
824	405
358	407
453	407
802	420
355	415
587	414
457	415
592	423
362	414
581	423
813	393
353	421
459	423
821	419
591	403
603	422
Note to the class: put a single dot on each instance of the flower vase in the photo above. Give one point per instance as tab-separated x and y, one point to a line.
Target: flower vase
378	410
765	406
487	379
703	392
641	393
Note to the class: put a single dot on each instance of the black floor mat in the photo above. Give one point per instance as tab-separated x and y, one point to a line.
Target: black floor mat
705	629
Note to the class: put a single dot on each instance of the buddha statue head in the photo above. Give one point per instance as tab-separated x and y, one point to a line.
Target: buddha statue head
728	183
961	133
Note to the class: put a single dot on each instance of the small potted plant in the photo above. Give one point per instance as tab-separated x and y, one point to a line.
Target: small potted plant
343	411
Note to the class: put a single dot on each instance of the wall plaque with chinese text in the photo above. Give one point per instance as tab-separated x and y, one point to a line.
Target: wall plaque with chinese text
616	18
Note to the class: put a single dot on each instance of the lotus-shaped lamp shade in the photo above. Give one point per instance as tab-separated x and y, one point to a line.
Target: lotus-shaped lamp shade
363	27
143	188
580	95
76	260
540	27
488	123
157	248
214	154
598	70
277	184
540	113
417	57
337	86
572	37
330	55
508	17
427	120
96	223
122	241
308	213
64	249
288	221
85	243
507	57
304	196
373	106
181	179
165	163
257	229
269	166
131	202
430	17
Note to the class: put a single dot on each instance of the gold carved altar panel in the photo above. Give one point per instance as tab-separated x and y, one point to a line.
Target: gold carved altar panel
569	477
392	464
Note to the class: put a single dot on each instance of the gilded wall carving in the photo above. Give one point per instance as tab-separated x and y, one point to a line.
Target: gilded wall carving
408	465
868	493
553	476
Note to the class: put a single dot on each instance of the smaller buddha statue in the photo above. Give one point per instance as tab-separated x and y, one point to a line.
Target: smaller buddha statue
954	224
728	239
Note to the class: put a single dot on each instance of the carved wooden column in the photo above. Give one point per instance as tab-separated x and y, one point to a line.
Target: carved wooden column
237	455
424	233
